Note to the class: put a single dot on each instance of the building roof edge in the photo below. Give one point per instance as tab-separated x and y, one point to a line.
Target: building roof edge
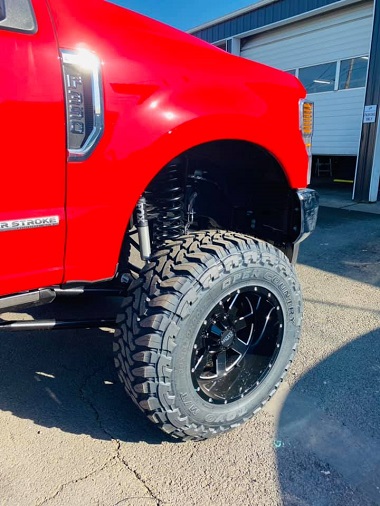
231	15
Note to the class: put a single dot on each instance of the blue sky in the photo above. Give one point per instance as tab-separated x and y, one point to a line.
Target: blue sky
182	14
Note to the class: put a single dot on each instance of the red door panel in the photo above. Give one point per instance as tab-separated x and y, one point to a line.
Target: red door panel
33	154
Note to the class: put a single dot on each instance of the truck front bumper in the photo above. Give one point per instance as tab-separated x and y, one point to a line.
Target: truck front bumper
309	204
308	214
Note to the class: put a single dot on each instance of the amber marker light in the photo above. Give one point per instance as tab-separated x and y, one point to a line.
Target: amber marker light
308	118
307	127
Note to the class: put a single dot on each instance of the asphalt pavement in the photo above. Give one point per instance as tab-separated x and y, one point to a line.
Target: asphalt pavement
70	436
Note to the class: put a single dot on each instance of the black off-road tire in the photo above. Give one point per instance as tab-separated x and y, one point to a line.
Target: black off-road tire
173	341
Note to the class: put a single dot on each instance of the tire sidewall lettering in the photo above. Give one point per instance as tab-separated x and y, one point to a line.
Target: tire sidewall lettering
282	287
246	274
226	417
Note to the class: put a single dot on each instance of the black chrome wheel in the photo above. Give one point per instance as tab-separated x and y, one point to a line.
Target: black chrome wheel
237	345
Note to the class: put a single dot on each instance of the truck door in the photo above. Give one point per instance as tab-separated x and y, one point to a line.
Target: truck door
32	149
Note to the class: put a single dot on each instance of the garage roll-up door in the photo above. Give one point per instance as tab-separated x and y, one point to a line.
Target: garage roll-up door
336	36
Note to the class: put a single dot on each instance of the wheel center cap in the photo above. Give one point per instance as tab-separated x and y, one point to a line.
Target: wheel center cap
227	338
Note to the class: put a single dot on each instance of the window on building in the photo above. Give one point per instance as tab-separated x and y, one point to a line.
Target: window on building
318	78
2	10
353	73
291	71
222	45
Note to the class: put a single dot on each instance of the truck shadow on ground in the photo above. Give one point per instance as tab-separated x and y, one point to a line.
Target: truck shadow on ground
66	379
328	437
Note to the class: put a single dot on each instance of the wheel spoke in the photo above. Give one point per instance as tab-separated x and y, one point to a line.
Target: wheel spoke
216	331
233	301
202	361
239	346
242	322
258	340
221	363
258	303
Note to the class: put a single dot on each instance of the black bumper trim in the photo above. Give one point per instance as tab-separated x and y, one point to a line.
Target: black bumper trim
309	204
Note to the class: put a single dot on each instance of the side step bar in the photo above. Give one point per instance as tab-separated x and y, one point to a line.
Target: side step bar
48	295
36	298
52	324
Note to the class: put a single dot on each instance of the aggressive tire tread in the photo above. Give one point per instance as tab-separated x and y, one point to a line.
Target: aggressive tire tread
161	300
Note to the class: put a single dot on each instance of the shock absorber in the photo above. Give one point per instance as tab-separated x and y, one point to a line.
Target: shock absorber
143	229
165	197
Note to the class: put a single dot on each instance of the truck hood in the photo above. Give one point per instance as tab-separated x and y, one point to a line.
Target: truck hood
161	52
166	91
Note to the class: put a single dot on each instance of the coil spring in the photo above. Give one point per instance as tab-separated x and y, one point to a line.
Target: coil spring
165	196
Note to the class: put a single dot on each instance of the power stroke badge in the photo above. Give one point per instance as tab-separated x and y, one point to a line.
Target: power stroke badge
43	221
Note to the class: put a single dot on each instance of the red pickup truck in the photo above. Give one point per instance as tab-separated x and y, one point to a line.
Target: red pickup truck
120	134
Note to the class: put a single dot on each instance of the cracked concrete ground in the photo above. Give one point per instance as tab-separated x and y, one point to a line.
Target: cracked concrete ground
70	436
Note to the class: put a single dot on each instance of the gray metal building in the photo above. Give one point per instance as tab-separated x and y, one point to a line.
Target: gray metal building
333	47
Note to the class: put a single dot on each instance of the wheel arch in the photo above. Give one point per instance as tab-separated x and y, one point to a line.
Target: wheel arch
244	189
239	186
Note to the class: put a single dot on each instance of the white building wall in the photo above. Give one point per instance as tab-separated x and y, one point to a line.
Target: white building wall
337	35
